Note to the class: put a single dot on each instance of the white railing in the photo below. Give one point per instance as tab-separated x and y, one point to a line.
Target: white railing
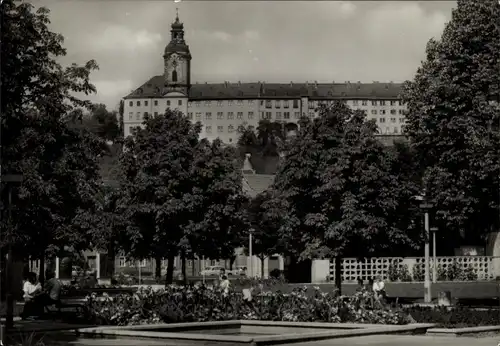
481	267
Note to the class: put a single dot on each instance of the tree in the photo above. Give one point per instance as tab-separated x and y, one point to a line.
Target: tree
263	144
265	239
121	110
183	194
58	164
336	191
453	122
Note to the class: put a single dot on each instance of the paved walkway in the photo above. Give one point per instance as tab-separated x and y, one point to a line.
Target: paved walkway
406	340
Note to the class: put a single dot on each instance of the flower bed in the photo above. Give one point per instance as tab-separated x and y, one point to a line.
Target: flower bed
198	304
459	317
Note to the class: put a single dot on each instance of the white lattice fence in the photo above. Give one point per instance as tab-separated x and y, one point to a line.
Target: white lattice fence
483	266
352	268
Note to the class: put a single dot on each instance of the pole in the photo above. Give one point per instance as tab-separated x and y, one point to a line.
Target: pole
9	320
434	259
427	282
140	279
250	241
203	269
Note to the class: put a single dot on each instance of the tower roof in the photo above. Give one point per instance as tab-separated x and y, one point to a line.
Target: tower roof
177	43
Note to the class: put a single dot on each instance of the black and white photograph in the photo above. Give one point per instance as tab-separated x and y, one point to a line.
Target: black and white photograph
249	173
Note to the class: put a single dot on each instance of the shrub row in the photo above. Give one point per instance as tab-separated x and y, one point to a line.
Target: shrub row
198	304
452	272
459	317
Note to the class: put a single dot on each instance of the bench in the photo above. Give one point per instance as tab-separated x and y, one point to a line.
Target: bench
56	310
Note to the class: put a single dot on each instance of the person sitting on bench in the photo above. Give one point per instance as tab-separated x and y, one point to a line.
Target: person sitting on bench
31	290
52	292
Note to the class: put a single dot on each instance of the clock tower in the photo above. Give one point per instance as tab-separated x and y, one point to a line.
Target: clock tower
177	61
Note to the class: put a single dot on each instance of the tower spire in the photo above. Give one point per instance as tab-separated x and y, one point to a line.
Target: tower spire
177	15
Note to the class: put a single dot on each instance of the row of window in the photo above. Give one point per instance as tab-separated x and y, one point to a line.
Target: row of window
383	111
220	115
269	103
155	102
138	115
220	128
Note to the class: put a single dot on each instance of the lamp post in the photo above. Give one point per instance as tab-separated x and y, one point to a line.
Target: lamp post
250	244
434	259
9	320
425	206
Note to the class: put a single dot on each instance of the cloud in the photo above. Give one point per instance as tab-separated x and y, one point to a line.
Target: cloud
404	23
222	36
346	8
118	37
112	89
251	35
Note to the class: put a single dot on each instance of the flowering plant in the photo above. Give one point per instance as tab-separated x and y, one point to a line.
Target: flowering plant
199	304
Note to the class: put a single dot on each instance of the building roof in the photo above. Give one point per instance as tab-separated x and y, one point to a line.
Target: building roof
315	91
254	184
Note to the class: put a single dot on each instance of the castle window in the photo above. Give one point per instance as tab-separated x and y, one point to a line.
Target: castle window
179	102
250	102
190	116
220	128
295	103
156	102
174	76
374	103
168	103
355	102
374	111
230	115
240	115
219	103
250	115
382	102
230	102
131	103
138	103
138	116
382	111
220	116
287	115
393	103
364	103
146	103
208	129
240	102
130	115
230	128
208	116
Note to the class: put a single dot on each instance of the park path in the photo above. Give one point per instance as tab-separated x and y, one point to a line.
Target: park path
406	340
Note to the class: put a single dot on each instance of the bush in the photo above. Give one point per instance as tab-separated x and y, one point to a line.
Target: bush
200	304
399	272
455	317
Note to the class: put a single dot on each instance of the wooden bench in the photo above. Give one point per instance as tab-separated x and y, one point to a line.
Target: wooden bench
56	310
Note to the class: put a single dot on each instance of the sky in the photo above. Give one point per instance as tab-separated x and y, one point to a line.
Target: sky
248	41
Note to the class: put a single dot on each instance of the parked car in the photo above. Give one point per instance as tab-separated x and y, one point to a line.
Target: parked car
240	270
211	271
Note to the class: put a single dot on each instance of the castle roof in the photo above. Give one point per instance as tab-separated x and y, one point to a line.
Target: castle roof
314	91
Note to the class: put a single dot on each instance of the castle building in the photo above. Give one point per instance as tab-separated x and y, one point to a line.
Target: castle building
222	108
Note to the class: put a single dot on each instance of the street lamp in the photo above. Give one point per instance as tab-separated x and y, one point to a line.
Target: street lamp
434	259
426	206
250	244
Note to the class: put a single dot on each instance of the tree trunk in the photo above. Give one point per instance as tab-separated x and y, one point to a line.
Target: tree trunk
262	258
193	272
170	270
111	262
338	274
157	267
183	267
41	276
231	262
